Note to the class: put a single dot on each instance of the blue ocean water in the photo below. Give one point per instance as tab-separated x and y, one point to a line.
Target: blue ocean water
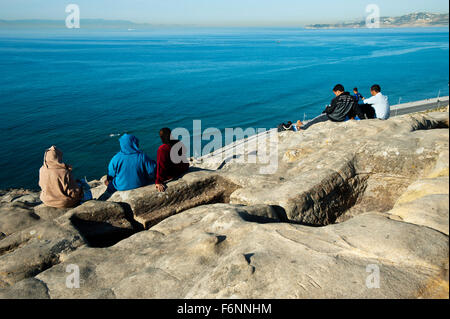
80	89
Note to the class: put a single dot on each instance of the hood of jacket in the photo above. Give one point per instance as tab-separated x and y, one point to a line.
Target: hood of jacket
53	158
129	144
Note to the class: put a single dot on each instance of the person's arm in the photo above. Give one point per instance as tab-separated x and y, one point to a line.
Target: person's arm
111	172
370	100
150	167
73	190
330	109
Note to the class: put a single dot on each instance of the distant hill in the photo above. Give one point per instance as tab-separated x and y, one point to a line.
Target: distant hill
84	23
420	19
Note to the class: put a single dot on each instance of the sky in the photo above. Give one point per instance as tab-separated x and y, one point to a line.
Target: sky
217	12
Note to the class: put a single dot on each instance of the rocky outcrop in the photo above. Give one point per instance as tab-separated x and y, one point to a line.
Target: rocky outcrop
220	251
103	224
33	243
20	196
335	170
195	189
376	193
426	201
15	217
30	251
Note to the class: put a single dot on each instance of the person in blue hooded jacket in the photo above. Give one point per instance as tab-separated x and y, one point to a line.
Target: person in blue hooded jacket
130	168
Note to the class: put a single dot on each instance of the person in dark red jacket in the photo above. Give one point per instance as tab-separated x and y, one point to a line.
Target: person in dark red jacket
169	166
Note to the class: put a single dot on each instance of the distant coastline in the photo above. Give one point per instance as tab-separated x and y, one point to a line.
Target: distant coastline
413	20
85	23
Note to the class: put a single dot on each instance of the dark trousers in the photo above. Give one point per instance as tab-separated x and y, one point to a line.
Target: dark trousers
363	111
318	119
108	193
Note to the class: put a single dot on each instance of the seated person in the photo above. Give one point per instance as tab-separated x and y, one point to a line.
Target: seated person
170	166
341	109
130	168
379	102
59	188
357	96
362	111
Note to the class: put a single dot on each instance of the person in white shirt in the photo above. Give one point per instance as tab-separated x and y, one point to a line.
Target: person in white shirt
379	102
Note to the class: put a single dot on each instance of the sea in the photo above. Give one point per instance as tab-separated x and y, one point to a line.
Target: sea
80	89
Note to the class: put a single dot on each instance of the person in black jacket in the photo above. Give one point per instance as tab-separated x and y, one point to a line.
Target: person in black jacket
342	108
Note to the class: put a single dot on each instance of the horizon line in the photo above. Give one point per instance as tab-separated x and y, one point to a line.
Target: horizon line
224	24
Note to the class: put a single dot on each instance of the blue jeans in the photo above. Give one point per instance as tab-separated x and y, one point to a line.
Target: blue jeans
87	195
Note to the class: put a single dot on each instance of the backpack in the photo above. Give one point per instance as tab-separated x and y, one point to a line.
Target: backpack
285	127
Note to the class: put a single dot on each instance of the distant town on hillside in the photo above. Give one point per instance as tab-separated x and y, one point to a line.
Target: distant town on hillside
420	19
